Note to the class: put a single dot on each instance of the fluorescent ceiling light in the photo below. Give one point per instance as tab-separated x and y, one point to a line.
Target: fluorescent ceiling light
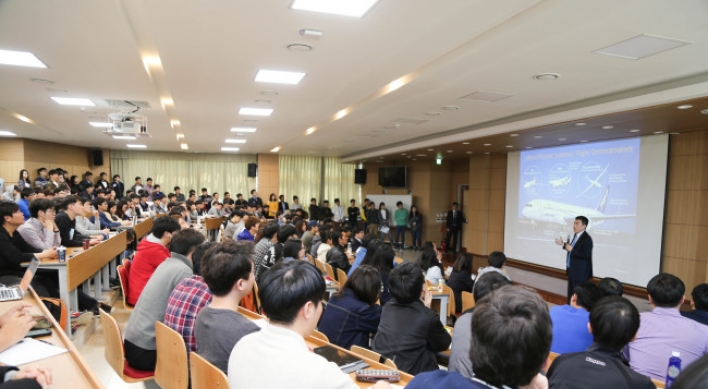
123	137
641	46
356	8
74	101
243	129
24	118
20	58
184	146
255	111
279	77
7	133
136	146
235	141
101	124
275	149
229	149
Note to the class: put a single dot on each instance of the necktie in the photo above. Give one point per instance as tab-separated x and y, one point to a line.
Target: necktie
567	257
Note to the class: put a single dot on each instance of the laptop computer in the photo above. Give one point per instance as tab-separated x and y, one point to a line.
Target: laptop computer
17	292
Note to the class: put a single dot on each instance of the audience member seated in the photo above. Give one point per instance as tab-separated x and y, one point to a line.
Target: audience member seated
460	349
264	252
461	278
293	249
362	251
324	245
614	322
352	313
313	229
188	298
496	262
511	338
430	262
87	220
27	195
152	251
101	206
251	226
570	322
72	207
228	270
277	356
357	239
14	325
410	333
664	330
382	257
610	287
699	302
336	256
234	225
140	346
40	231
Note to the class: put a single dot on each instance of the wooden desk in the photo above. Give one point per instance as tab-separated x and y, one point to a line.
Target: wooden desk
314	342
444	301
69	370
143	228
84	265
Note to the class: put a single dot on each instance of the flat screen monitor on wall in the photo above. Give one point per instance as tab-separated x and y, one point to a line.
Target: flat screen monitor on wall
392	177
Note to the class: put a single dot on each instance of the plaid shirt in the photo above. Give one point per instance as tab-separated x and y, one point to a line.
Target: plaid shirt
186	300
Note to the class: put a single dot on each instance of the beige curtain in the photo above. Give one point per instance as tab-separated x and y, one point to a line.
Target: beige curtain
338	181
300	176
216	172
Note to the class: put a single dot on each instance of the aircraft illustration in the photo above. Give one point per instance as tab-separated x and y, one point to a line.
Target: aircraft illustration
595	182
529	184
554	212
560	182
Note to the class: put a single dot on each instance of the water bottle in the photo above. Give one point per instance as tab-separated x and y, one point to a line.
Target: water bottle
674	368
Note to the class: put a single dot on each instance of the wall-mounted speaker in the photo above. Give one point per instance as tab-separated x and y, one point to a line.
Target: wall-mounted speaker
252	169
360	176
97	157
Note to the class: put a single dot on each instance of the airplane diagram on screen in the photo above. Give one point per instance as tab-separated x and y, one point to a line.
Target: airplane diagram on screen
560	182
554	212
529	184
595	182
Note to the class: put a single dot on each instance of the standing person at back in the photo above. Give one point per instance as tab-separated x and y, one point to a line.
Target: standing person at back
453	227
291	295
664	330
151	252
400	217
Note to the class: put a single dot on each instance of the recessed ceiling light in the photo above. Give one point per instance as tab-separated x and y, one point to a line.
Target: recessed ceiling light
275	149
123	137
579	124
243	129
607	127
449	151
674	133
74	101
41	81
255	111
487	144
465	143
310	130
658	132
184	146
299	47
583	141
136	146
509	146
450	108
7	133
514	135
528	147
538	137
469	152
641	46
433	113
489	97
309	32
403	153
24	118
486	152
685	106
229	149
235	141
20	58
415	159
546	76
634	130
279	77
561	139
101	124
421	155
408	156
430	149
337	7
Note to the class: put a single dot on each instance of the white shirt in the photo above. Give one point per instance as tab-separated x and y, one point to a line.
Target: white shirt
276	357
322	252
434	275
338	212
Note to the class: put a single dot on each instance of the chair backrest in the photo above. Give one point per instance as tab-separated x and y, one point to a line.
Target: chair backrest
319	335
390	363
341	278
205	375
552	357
123	278
330	271
658	384
362	352
467	300
320	266
450	300
310	259
258	299
172	368
113	350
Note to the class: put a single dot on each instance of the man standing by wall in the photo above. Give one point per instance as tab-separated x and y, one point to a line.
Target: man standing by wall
454	226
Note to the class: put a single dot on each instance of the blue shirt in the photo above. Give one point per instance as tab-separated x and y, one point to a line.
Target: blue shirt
570	329
358	259
24	208
348	321
444	380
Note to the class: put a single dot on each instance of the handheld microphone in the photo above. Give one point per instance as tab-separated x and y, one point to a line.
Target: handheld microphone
568	239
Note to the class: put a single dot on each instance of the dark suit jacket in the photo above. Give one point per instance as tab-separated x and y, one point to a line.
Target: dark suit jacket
283	206
581	259
460	219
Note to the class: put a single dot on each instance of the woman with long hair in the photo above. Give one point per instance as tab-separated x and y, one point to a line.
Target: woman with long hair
430	263
352	313
382	259
272	205
24	181
461	278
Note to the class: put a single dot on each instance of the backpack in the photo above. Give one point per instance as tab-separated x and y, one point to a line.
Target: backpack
57	308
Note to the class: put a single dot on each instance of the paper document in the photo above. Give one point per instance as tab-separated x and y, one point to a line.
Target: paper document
29	350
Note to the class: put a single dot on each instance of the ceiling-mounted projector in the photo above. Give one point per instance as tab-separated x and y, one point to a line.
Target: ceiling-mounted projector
127	124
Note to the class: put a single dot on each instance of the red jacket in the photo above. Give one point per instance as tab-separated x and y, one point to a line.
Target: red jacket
147	258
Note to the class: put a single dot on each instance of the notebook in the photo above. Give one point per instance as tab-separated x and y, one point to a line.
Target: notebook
16	292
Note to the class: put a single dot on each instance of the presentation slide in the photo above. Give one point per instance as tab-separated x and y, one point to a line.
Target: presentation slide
618	185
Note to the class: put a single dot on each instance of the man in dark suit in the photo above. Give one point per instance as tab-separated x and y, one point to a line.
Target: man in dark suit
454	226
282	204
578	262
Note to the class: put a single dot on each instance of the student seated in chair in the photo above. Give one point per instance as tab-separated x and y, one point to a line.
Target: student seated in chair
277	356
228	271
570	322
